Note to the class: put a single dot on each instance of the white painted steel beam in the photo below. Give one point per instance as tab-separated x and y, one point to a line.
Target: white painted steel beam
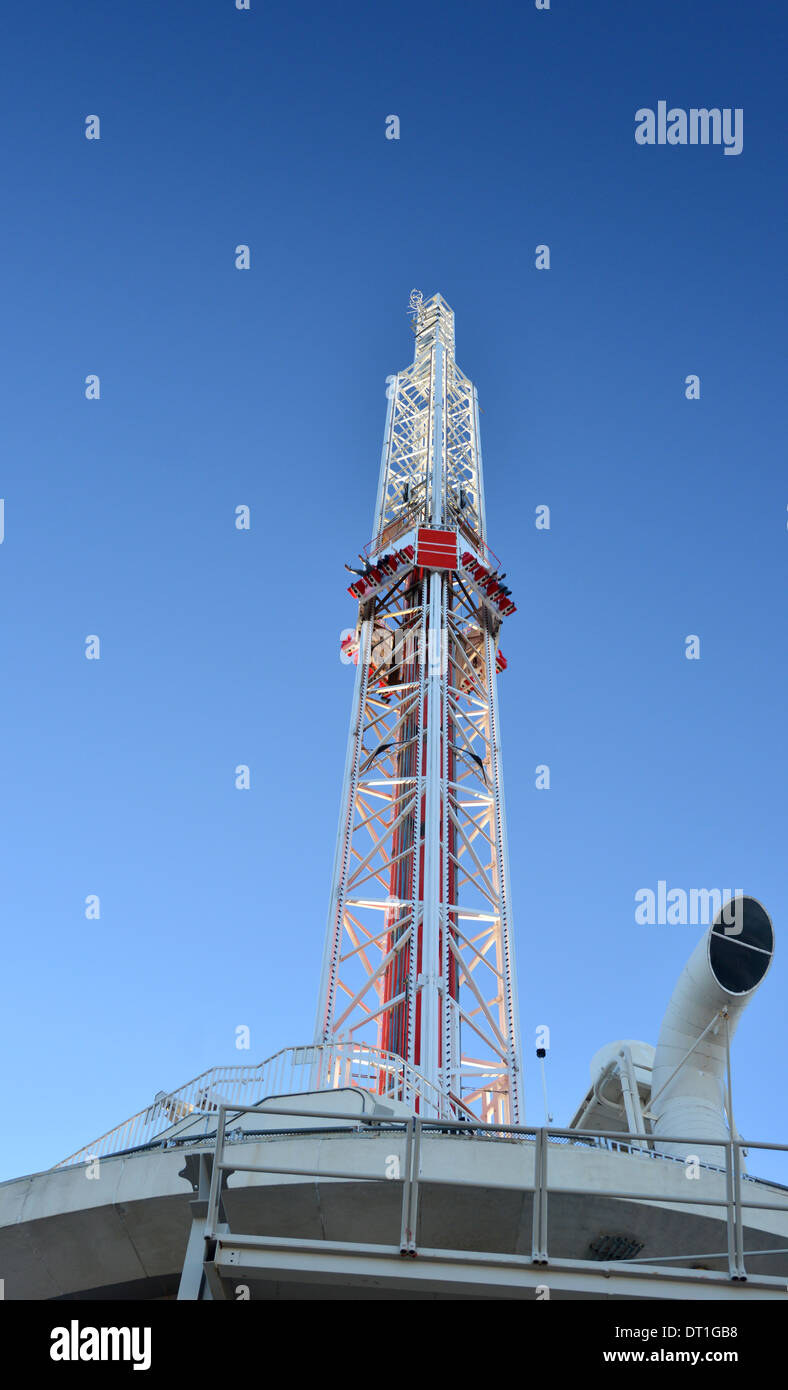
466	1274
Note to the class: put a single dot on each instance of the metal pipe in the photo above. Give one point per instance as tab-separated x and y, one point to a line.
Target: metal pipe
728	964
629	1090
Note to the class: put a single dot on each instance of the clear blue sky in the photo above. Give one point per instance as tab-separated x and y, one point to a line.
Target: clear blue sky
221	387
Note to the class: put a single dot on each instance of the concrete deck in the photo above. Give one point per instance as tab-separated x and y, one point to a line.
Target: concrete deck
125	1232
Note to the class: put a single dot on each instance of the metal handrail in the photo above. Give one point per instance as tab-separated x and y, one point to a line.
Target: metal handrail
313	1067
414	1127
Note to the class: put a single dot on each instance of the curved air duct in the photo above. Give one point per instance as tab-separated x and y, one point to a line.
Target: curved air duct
723	972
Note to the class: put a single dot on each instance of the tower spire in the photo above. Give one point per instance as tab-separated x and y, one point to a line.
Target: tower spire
418	965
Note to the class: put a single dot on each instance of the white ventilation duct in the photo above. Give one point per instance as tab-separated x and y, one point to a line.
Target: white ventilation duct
688	1087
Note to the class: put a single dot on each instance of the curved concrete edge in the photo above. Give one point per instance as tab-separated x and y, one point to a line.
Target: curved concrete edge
62	1232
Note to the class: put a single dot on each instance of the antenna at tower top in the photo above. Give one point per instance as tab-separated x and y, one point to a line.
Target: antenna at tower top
415	303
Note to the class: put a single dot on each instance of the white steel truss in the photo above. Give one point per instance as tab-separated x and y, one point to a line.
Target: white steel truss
431	395
419	958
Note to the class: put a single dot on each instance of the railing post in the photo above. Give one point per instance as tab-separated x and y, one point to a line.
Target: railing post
212	1217
741	1272
539	1233
404	1238
413	1203
730	1213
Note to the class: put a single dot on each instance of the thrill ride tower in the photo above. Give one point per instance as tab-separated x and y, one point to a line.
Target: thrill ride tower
317	1169
419	962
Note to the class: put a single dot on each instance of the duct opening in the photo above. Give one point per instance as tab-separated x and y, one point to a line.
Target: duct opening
739	959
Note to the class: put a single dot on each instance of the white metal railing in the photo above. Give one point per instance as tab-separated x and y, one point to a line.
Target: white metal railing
731	1206
315	1067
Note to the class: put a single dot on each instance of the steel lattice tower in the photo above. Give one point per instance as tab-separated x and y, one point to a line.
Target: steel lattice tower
419	962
